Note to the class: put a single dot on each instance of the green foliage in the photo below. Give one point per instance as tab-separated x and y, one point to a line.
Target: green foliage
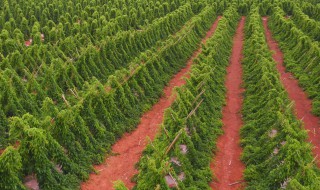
308	25
203	94
10	170
76	89
313	11
301	54
275	149
75	75
3	129
42	155
119	185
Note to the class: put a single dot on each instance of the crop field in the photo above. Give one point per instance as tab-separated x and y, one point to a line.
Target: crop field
159	94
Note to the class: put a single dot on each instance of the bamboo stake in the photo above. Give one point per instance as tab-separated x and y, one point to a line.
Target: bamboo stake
165	131
198	96
194	110
173	142
74	93
150	142
174	180
75	90
201	84
237	182
65	100
310	63
173	117
35	73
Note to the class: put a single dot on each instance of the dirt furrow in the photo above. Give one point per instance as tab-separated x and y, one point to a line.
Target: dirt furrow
129	148
303	105
227	165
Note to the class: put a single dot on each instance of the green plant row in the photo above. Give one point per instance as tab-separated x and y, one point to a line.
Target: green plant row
67	26
48	70
74	138
53	69
308	25
113	53
314	2
180	155
301	55
313	11
25	87
94	19
119	50
275	150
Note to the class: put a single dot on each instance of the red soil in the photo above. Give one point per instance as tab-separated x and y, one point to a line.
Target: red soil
16	145
28	42
303	105
129	148
227	167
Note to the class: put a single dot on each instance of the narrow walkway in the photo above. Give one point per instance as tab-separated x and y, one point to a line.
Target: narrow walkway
129	148
227	167
303	105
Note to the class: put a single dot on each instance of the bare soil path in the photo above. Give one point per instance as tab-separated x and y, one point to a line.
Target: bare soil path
227	165
129	148
303	105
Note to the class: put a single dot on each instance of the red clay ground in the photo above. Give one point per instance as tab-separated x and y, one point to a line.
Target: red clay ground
227	167
303	105
130	146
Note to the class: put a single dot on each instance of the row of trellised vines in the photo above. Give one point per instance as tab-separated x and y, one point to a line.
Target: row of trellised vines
95	19
308	25
313	11
77	74
60	145
46	70
301	55
180	155
275	149
49	71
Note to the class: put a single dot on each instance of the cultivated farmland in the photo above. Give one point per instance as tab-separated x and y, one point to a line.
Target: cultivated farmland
159	94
